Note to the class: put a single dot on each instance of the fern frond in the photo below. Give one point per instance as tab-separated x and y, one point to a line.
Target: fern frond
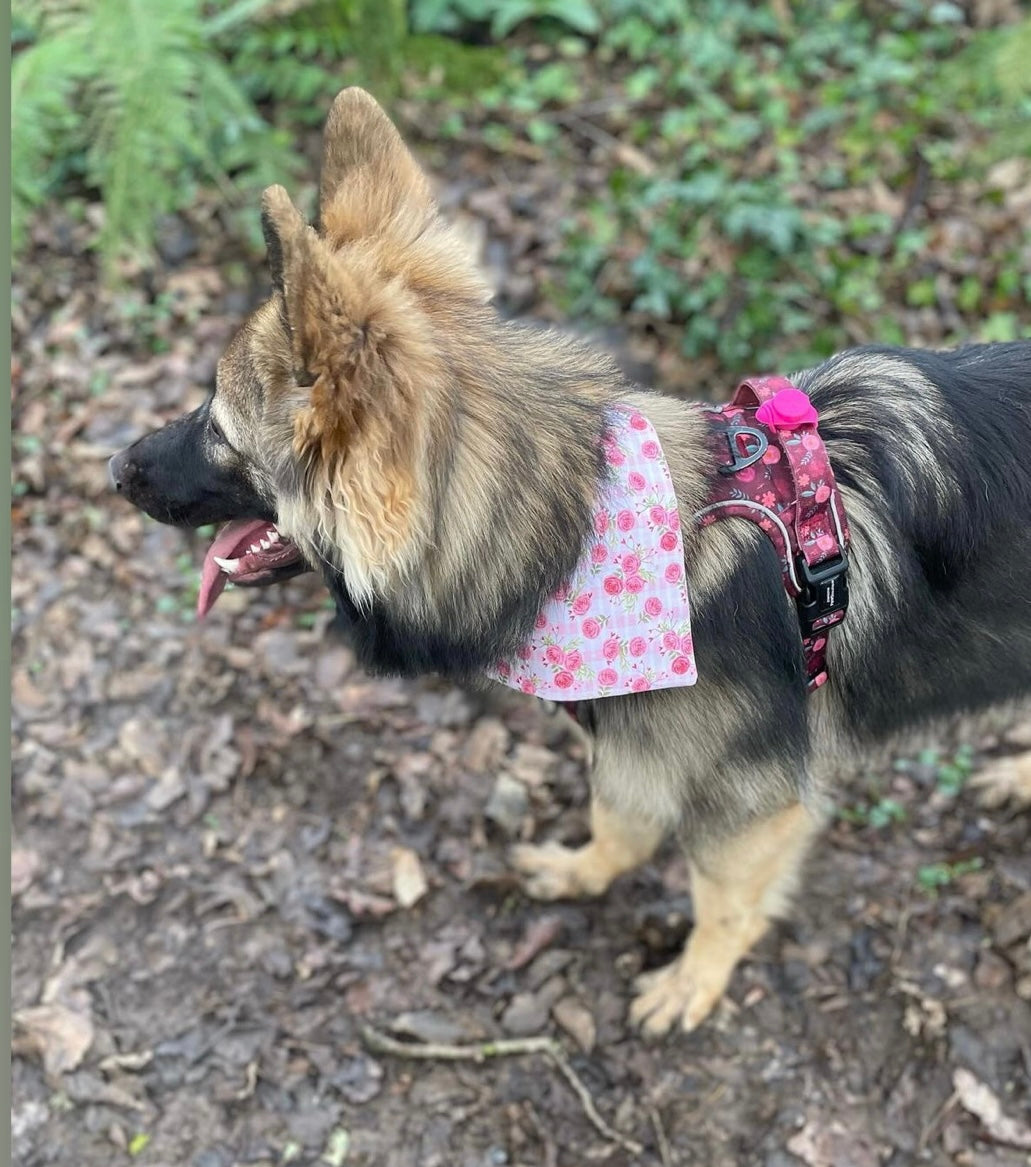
43	79
136	88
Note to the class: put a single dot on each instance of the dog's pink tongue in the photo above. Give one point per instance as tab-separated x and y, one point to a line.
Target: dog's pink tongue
213	579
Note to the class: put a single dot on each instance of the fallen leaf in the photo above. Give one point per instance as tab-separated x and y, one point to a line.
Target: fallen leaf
25	866
359	1079
25	693
337	1146
409	879
508	804
59	1035
820	1144
127	1061
485	746
537	937
984	1105
577	1020
363	904
425	1025
89	964
525	1014
169	788
85	1088
1012	925
633	159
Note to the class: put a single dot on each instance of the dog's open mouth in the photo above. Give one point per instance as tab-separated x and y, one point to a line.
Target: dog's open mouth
248	552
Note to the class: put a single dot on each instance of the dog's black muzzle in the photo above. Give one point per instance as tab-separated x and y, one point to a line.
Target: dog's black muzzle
172	475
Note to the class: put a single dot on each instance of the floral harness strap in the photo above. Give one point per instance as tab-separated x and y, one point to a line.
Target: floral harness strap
779	476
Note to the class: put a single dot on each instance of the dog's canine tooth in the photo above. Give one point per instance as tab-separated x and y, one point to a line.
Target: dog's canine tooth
227	565
265	545
273	536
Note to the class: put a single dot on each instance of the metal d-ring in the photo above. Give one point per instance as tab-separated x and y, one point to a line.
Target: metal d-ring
740	460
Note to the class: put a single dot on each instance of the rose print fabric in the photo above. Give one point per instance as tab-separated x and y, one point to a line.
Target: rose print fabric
622	622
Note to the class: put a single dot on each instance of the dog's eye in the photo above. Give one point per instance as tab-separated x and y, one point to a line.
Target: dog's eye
216	430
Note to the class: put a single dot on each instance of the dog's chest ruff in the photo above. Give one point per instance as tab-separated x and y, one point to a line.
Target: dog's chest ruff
622	622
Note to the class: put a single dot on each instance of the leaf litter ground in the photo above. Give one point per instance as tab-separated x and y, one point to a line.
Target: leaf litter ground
233	852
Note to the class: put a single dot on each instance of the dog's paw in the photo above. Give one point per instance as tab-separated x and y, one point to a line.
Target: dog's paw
553	872
675	994
1007	780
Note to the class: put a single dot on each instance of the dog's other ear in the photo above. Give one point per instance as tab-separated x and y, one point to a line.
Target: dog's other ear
296	264
283	227
370	181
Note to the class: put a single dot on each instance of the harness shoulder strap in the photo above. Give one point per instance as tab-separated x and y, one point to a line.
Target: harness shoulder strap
784	483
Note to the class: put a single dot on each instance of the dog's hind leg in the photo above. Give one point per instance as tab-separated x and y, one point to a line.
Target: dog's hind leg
737	891
619	843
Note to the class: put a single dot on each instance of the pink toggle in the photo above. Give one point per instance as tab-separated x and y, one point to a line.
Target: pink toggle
787	409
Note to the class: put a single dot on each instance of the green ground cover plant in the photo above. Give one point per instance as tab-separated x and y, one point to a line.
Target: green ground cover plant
766	164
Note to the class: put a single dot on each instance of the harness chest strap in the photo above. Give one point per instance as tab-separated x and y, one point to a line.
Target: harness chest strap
774	471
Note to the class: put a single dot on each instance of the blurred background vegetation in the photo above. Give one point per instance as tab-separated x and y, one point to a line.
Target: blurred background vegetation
744	183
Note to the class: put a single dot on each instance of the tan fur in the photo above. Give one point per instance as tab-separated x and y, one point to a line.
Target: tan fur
359	301
1007	780
736	892
619	843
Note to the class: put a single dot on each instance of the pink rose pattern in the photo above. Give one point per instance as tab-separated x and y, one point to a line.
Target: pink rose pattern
622	622
793	481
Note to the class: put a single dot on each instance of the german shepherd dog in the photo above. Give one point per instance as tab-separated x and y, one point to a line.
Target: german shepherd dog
376	421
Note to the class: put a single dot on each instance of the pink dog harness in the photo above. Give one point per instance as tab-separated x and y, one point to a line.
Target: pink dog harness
622	622
779	476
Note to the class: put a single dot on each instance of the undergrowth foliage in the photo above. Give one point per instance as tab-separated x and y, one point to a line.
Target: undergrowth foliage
765	165
753	125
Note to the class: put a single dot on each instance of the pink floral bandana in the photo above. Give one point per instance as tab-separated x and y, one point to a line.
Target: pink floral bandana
622	622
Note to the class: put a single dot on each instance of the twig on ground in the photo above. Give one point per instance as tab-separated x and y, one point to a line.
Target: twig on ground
504	1047
665	1151
440	1051
933	1128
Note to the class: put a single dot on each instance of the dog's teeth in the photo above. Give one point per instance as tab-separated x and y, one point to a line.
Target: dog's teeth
227	565
254	548
273	536
265	545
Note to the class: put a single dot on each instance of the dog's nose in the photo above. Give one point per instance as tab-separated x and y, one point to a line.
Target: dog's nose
118	469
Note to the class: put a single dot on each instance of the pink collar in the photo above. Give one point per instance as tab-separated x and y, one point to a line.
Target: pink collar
622	623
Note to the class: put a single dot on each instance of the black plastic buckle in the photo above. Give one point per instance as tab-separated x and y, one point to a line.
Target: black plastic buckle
741	460
825	590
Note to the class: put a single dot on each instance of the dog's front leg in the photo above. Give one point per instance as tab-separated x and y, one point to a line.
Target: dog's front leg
1007	779
737	890
619	843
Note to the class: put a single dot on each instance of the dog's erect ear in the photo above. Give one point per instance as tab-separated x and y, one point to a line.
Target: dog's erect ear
283	227
296	263
348	329
369	178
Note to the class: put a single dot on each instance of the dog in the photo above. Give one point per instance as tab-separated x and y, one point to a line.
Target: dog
376	421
